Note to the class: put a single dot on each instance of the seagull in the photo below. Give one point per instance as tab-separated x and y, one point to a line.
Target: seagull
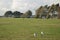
42	33
35	34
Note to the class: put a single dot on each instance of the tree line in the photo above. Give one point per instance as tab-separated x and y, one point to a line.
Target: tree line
17	14
46	11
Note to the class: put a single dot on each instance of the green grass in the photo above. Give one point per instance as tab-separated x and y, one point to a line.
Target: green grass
23	29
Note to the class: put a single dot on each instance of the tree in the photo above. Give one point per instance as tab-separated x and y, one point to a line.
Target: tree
21	15
46	6
28	14
39	11
58	12
8	14
16	14
51	9
58	9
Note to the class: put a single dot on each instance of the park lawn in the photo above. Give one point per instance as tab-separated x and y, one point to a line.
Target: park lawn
24	28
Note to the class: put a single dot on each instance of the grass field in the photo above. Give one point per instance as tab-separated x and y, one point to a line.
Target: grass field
23	29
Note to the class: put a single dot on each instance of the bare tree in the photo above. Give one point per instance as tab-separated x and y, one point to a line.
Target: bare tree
38	11
58	10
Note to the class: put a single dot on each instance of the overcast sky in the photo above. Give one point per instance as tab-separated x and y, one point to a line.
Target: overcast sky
23	5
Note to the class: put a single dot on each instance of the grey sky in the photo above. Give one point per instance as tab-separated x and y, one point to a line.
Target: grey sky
4	6
23	5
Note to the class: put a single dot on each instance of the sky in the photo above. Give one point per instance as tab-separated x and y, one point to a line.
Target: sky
23	5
